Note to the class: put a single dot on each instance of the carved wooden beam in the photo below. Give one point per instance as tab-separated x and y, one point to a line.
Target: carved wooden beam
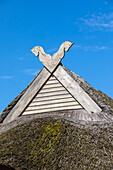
29	94
51	62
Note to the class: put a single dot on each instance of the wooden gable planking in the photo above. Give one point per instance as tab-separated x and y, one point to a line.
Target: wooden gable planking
68	88
60	92
78	93
28	95
52	97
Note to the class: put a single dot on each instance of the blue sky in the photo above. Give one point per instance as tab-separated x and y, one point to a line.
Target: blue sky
25	24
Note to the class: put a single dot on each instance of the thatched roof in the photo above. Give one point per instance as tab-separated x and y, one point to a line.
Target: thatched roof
59	140
103	101
51	143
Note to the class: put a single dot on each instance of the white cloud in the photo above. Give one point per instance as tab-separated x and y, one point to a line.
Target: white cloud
91	48
101	21
31	71
6	77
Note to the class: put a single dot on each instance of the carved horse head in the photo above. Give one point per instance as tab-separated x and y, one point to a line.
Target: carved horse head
50	62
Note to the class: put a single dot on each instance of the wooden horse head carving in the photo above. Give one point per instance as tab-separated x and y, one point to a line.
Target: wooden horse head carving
51	62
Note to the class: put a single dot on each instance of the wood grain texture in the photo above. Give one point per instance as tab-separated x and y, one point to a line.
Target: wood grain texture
53	78
78	93
52	97
51	62
52	89
51	109
29	94
51	101
52	105
63	92
48	86
52	82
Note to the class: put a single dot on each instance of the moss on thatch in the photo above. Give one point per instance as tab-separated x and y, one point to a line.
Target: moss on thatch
57	144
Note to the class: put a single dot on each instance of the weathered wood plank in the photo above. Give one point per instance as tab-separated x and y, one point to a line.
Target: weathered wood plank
78	93
52	101
52	78
49	110
47	86
52	89
63	96
29	94
52	82
51	62
63	92
51	106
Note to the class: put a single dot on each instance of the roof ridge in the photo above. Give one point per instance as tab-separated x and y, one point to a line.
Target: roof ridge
104	101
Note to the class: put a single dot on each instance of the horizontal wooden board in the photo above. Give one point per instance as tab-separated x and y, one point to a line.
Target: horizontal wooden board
46	98
52	102
52	82
52	78
51	90
63	92
52	86
51	109
52	97
51	105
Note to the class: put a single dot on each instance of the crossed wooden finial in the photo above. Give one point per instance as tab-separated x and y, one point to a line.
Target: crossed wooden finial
51	62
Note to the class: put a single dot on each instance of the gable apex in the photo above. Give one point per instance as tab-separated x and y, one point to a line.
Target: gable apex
37	98
66	80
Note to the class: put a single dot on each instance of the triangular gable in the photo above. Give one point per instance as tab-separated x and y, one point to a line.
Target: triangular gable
52	97
81	98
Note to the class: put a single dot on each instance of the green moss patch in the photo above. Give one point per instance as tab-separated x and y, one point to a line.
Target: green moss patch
55	144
